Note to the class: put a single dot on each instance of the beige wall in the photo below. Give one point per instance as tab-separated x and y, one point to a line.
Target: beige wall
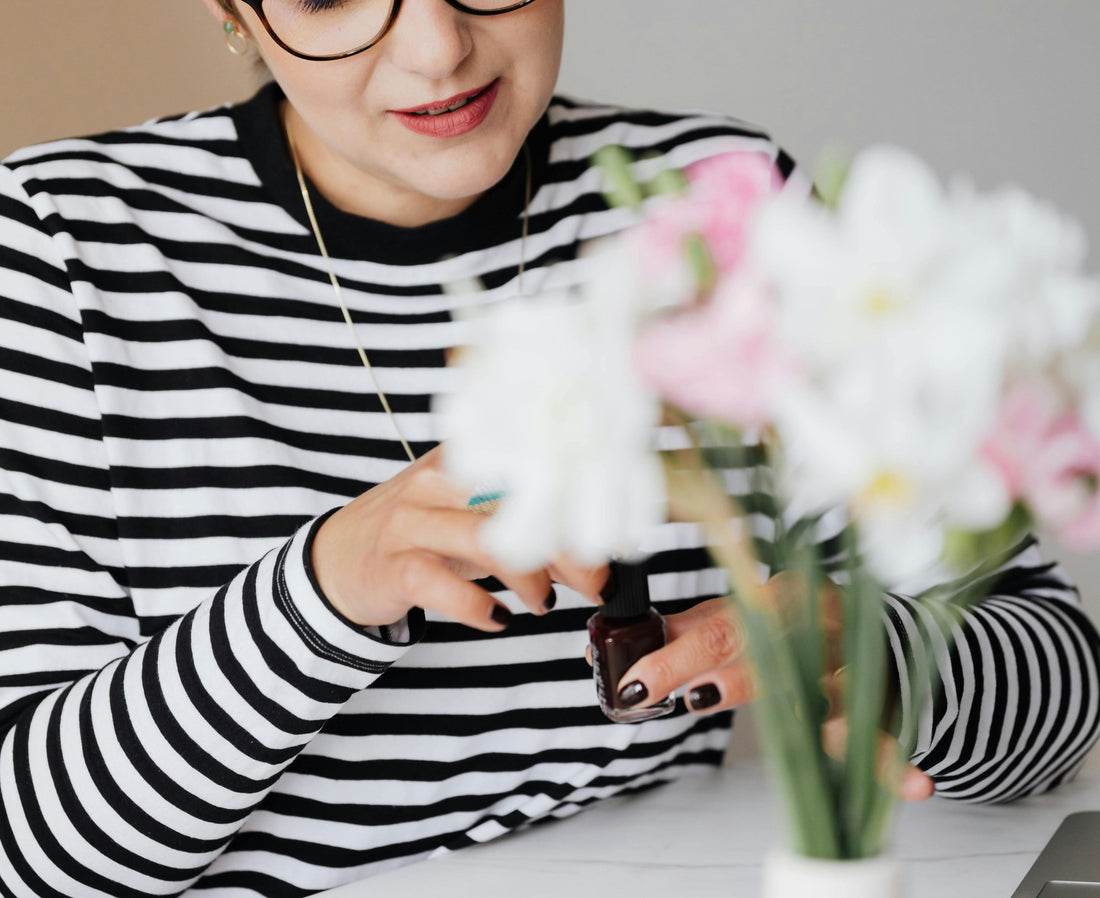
80	66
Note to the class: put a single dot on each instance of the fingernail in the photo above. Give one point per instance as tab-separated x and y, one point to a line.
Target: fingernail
705	696
633	694
501	615
551	600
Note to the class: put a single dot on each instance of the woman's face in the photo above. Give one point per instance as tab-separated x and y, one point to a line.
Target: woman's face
345	112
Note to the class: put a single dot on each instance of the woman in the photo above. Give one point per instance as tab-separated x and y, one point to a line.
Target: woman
213	679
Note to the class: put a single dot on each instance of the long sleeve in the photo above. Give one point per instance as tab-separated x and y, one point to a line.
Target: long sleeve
1013	705
1020	704
126	762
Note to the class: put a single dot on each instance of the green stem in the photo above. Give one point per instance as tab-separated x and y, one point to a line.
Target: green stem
790	719
865	656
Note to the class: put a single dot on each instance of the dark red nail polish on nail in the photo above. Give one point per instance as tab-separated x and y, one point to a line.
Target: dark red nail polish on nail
501	615
625	629
551	600
704	696
633	694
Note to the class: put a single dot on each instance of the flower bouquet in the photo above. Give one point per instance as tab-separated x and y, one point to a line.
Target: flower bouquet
882	387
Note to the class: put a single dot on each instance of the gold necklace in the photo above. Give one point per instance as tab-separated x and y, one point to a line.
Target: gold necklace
340	295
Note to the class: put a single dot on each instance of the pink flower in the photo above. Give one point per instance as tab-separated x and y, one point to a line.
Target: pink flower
728	189
722	360
1064	490
1026	415
1051	461
724	192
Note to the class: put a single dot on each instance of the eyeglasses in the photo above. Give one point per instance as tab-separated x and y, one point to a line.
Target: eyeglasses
334	29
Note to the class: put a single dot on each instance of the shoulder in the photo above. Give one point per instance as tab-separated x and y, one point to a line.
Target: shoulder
163	153
578	128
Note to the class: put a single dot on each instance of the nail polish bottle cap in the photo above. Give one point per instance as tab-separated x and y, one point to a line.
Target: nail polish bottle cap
627	591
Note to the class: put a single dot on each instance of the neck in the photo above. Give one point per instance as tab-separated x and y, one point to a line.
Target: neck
351	190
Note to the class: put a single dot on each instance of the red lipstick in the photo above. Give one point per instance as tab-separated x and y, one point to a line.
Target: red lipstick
433	122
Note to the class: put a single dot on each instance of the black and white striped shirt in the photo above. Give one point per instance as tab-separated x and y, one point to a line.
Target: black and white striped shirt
180	403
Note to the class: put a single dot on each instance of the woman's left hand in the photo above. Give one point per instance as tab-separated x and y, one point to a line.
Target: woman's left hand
705	657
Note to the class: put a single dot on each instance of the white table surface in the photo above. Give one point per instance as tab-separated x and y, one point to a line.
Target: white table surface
706	835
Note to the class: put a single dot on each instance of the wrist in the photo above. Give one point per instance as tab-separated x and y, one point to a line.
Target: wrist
321	554
326	637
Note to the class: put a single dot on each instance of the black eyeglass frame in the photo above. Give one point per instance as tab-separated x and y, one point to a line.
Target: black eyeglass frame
257	7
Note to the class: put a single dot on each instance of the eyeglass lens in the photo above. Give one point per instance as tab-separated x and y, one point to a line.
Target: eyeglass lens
338	27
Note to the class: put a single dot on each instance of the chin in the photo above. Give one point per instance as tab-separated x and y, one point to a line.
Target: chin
469	175
468	189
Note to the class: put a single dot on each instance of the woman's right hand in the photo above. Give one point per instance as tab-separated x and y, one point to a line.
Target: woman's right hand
411	541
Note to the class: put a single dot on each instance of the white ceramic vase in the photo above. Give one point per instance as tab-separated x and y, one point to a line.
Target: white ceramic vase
788	875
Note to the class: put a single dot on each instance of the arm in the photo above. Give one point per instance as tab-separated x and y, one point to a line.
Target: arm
127	765
1020	707
1020	704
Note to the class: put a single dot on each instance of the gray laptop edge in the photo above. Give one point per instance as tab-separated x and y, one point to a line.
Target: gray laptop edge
1069	865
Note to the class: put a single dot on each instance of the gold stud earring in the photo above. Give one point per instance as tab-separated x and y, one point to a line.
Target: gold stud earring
232	30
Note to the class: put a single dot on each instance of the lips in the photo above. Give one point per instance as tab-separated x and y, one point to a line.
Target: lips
441	106
452	117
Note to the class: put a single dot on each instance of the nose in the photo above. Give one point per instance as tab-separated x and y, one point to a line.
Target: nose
430	38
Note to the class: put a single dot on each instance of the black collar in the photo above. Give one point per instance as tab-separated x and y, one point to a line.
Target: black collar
496	216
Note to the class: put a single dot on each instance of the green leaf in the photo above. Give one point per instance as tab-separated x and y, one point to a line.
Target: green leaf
966	549
791	734
832	175
702	264
865	656
620	187
733	457
667	182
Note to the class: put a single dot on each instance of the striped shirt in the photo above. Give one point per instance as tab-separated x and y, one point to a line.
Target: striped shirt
181	710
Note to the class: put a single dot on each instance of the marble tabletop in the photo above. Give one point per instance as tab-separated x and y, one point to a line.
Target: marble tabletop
706	836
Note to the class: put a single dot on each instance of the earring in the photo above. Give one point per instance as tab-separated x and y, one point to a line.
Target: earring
232	30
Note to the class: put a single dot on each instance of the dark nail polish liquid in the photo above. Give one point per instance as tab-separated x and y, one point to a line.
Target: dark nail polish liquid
625	629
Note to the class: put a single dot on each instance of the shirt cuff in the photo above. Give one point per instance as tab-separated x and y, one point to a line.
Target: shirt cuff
324	629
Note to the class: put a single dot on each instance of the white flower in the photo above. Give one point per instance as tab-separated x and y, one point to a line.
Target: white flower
1050	305
1048	301
891	303
550	411
893	249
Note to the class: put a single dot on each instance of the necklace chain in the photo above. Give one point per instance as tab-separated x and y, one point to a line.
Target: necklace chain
340	294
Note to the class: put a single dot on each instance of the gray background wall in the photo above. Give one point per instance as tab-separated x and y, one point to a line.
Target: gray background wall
1005	89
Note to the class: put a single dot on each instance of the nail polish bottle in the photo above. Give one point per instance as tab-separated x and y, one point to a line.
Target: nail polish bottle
626	628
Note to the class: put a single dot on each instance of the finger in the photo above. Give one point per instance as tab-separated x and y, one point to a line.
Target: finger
430	484
713	643
452	534
916	785
588	654
684	621
428	583
427	482
908	782
721	689
587	581
832	687
466	570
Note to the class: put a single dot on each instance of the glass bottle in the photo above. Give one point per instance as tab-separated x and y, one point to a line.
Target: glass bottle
626	628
